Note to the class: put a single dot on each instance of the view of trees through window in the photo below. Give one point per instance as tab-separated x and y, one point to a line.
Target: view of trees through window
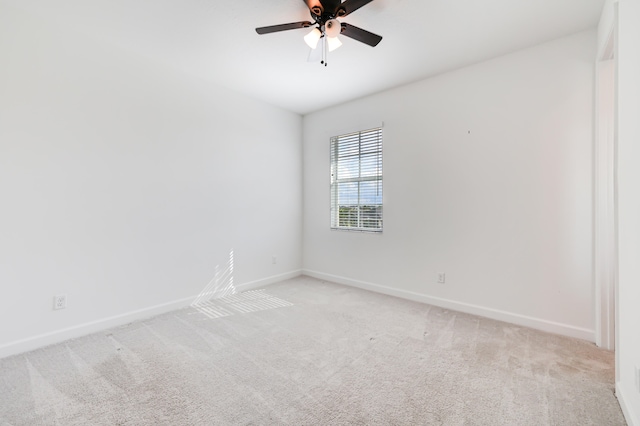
360	216
356	181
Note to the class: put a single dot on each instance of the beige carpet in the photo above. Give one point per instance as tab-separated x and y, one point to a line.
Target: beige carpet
307	352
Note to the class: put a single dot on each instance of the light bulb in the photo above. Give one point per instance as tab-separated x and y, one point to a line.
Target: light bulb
333	43
312	38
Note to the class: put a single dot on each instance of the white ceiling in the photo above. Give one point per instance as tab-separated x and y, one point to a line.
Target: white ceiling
216	41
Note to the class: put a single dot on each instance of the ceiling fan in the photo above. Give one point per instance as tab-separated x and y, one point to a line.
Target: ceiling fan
326	25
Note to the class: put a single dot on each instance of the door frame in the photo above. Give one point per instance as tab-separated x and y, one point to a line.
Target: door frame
605	212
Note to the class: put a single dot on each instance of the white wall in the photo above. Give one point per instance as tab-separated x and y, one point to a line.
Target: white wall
125	185
487	177
628	324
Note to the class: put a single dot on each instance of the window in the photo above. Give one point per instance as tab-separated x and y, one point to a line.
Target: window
356	181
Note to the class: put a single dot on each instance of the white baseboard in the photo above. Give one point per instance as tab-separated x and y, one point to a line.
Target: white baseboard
269	280
632	418
46	339
513	318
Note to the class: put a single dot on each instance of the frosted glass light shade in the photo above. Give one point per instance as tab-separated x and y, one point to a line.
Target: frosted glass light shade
333	43
312	38
332	28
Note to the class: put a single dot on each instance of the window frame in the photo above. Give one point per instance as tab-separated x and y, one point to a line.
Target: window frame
373	140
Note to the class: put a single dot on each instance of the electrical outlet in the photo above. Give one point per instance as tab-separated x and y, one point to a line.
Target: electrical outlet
60	301
441	278
274	259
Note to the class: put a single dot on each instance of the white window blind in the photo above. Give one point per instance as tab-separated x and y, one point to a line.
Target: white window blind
356	181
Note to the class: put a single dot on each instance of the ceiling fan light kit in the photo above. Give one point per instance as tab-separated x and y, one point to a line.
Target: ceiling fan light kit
327	27
332	28
333	43
313	38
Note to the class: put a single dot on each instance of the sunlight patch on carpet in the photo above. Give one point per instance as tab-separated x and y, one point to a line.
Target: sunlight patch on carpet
242	303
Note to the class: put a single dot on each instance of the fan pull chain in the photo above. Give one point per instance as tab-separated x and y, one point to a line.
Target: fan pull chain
324	51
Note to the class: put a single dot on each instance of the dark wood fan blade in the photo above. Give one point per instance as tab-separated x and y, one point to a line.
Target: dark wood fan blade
318	7
283	27
359	34
351	6
314	6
